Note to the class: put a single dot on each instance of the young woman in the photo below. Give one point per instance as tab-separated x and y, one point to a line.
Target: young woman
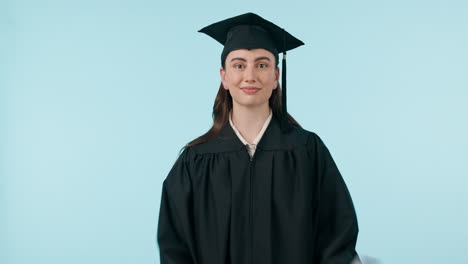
256	188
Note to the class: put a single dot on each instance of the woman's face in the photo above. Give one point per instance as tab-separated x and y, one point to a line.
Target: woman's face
250	76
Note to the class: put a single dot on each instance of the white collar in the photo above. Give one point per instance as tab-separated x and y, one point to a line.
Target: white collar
259	135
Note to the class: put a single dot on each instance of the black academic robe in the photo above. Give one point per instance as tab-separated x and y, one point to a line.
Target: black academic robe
288	204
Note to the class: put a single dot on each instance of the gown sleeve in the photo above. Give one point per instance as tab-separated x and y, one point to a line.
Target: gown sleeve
337	226
174	227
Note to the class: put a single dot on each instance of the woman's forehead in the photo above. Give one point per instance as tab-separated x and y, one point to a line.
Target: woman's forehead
250	54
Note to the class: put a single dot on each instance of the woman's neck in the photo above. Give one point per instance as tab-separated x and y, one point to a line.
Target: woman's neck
250	120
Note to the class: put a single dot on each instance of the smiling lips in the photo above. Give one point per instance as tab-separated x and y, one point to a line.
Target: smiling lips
250	90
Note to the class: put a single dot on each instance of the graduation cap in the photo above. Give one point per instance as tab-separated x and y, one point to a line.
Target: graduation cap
250	31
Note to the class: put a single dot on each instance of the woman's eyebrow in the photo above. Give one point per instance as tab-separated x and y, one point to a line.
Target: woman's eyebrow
241	59
262	58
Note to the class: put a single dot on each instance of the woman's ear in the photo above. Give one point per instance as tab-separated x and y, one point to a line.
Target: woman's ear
222	73
277	74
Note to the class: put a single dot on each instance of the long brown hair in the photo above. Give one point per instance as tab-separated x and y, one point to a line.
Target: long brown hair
223	105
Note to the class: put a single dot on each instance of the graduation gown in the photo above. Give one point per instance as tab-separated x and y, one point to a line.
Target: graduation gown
286	204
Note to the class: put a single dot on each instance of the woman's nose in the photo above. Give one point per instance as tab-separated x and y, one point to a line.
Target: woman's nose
249	75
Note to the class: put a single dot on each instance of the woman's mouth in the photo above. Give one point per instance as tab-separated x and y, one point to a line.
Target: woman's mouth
250	90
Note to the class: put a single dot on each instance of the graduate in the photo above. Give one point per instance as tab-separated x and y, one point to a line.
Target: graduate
257	187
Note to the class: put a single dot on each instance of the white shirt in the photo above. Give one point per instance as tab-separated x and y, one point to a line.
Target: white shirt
251	147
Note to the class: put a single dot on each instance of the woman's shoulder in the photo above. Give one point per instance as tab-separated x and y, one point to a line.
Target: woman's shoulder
181	165
309	138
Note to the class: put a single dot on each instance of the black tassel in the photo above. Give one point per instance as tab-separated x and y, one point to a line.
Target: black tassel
284	119
283	84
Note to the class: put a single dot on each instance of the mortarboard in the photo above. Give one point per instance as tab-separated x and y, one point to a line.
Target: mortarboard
250	31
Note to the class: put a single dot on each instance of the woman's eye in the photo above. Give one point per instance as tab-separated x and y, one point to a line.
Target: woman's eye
238	66
262	65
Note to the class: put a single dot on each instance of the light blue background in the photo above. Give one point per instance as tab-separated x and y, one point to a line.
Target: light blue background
97	98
